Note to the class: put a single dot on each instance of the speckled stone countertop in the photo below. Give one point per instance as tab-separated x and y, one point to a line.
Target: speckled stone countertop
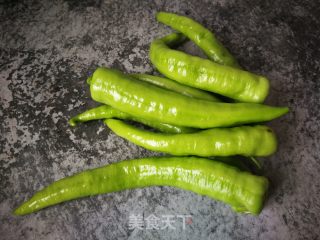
47	50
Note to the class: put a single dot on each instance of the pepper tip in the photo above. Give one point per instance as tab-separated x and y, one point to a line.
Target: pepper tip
17	211
72	122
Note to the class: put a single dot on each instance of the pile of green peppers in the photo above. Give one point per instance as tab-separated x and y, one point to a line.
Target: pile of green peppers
204	112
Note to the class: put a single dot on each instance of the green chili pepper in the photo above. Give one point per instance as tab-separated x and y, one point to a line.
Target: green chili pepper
176	87
201	36
205	74
106	112
245	140
243	191
153	103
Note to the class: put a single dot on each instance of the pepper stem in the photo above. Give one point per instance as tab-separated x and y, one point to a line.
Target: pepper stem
256	162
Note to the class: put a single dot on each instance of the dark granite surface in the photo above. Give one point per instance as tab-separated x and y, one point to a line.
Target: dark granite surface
48	48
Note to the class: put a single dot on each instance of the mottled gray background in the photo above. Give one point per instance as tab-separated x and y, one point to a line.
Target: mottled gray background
47	50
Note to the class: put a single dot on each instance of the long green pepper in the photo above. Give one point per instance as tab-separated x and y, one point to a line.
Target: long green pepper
243	191
244	140
205	74
153	103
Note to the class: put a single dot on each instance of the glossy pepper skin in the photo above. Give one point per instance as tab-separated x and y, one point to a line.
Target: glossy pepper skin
256	141
150	102
176	87
107	112
243	191
201	36
204	74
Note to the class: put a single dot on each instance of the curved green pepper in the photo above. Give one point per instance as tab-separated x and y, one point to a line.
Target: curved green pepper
201	36
176	87
150	102
244	140
106	112
205	74
243	191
